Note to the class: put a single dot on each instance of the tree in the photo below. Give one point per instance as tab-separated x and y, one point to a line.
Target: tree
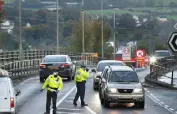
92	36
127	21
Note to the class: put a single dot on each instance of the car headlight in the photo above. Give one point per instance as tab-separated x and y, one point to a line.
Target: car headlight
138	90
112	90
153	60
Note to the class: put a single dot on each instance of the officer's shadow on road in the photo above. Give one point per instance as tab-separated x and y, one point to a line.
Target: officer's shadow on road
127	106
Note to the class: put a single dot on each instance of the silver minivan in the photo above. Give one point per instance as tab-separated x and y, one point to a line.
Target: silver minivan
120	84
7	95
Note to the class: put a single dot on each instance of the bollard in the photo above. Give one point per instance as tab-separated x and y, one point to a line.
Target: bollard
172	78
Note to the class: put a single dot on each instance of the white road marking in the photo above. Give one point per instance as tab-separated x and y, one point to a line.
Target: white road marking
69	109
160	104
64	97
171	109
166	105
68	113
68	101
90	110
148	91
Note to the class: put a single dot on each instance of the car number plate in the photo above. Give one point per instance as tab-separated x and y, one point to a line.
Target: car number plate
125	97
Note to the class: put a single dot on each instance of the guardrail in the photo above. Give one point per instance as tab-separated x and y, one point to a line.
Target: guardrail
11	56
25	68
161	68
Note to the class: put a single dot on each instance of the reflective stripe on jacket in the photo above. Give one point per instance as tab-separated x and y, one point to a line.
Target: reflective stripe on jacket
53	84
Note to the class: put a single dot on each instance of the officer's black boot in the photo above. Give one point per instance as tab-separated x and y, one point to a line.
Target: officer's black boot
82	105
46	113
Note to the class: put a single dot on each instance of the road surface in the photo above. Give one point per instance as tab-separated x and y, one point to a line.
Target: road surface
32	101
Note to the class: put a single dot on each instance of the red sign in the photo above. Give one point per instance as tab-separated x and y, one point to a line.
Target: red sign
140	58
140	53
1	2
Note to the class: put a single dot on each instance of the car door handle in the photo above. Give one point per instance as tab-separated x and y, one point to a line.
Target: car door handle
5	98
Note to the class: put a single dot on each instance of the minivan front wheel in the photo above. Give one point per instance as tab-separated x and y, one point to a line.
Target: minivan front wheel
106	102
140	104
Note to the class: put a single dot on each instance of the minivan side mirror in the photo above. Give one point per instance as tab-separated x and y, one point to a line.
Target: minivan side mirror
18	92
93	70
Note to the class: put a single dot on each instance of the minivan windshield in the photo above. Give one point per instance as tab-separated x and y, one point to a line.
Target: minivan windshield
103	65
123	76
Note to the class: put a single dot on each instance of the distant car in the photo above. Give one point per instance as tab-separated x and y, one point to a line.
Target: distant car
66	67
120	84
8	95
100	67
159	54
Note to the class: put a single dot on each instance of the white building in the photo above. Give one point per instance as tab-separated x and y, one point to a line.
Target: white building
7	26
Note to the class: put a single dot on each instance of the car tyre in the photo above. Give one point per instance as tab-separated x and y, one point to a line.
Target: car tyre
70	77
140	104
73	74
95	88
41	80
101	98
106	103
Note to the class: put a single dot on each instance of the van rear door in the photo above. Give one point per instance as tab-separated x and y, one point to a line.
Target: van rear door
4	96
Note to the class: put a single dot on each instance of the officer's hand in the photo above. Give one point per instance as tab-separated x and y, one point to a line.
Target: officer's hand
42	90
57	91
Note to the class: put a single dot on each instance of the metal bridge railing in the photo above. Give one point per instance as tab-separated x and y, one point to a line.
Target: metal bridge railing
11	56
162	67
25	68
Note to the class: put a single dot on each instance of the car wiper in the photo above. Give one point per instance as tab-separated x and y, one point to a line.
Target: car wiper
122	81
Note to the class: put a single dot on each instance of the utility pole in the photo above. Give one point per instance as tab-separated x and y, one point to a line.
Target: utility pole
20	29
57	28
83	29
102	45
114	34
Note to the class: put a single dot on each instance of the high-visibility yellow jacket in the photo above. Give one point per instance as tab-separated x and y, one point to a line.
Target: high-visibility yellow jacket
81	75
53	83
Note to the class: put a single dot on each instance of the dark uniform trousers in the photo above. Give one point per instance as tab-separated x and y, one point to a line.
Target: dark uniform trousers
80	92
53	96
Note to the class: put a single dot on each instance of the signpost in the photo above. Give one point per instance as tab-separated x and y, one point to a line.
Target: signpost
126	53
140	58
172	43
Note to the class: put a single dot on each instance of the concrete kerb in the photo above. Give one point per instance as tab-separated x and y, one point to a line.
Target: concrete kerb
159	83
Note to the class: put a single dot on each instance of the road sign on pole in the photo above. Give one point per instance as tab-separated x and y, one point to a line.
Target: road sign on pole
126	55
172	43
140	58
175	26
140	53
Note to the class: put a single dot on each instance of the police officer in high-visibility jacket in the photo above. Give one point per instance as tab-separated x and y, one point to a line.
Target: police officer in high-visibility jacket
81	76
54	84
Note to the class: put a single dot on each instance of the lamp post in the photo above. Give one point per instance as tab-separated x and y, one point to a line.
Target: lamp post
20	33
57	37
102	45
114	24
83	29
